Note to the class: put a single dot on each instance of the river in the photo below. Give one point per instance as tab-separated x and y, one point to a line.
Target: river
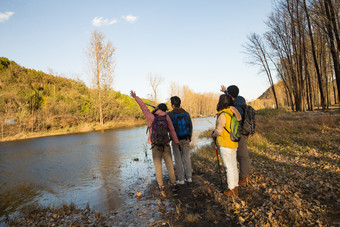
100	169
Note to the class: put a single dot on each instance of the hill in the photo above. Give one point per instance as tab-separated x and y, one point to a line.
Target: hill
266	100
32	101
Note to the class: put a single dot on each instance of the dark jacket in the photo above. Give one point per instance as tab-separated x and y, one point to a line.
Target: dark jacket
239	102
181	110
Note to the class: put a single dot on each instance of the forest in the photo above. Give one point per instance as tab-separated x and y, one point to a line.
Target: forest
302	47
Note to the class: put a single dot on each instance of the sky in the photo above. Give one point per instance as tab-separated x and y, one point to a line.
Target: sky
199	44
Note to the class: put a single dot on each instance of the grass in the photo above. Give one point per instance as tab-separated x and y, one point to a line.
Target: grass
271	112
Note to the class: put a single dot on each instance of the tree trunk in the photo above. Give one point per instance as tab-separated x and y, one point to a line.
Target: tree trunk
332	39
318	73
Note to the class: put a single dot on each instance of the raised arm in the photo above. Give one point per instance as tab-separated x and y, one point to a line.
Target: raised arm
147	114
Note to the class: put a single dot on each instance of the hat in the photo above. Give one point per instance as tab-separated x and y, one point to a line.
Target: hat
233	91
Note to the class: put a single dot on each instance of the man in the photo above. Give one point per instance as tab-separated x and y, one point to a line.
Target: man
183	127
242	150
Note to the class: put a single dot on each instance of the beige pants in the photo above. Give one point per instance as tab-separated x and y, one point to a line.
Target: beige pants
159	153
185	164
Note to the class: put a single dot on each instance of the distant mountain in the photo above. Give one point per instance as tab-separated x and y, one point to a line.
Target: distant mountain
266	100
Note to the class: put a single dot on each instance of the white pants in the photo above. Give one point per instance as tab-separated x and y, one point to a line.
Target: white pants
229	160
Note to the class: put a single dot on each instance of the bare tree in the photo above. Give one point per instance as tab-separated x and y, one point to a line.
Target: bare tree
155	80
174	89
101	63
258	56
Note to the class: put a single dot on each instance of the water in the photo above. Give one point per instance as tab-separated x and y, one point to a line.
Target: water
99	168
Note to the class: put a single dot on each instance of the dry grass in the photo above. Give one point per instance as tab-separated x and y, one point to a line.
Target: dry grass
305	130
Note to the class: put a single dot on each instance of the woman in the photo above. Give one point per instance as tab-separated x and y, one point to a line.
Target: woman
226	146
160	152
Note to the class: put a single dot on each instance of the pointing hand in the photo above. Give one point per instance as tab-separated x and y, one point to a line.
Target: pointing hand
223	88
133	94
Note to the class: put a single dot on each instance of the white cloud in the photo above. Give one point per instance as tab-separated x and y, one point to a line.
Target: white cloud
5	16
100	21
129	18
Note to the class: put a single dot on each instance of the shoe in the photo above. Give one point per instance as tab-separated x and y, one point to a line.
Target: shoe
174	187
232	192
180	182
189	180
243	181
161	188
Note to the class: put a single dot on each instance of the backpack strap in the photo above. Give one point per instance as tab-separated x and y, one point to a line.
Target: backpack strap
242	106
148	128
229	115
244	110
230	118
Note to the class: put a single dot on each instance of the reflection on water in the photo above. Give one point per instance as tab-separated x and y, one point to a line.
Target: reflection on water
96	168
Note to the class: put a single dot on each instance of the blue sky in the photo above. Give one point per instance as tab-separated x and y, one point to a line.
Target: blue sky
195	43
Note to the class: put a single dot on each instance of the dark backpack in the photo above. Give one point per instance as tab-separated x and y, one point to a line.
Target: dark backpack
234	131
181	125
248	120
159	134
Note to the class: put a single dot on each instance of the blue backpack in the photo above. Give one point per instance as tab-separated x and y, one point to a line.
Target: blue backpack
181	124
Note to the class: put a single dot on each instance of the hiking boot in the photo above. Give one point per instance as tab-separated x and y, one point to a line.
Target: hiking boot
189	180
243	181
180	182
174	187
161	188
232	192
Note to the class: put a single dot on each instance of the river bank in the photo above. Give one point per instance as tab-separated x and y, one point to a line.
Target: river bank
294	182
82	128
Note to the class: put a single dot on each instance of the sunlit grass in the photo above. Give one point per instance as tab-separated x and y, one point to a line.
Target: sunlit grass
205	133
258	141
307	130
271	112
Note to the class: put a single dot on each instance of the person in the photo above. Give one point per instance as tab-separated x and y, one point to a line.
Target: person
226	146
183	127
160	152
242	150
